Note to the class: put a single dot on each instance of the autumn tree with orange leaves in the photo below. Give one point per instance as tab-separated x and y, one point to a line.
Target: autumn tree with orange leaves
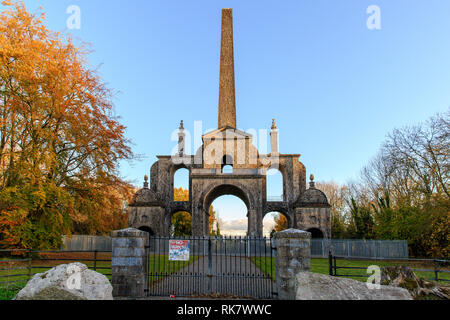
60	142
281	223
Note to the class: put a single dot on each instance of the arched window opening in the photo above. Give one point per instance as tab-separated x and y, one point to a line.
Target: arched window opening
274	185
181	185
227	169
227	164
274	222
181	224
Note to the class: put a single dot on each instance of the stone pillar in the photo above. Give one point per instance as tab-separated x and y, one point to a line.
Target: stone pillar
259	222
227	99
255	224
252	224
293	256
274	140
181	140
198	228
129	263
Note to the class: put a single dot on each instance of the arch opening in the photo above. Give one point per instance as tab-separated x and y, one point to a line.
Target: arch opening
180	224
227	164
181	185
315	233
274	185
275	221
227	211
147	229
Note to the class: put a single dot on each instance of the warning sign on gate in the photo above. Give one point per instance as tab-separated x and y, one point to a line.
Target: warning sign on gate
178	250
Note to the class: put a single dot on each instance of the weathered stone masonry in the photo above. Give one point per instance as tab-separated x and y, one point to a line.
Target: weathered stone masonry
129	263
293	256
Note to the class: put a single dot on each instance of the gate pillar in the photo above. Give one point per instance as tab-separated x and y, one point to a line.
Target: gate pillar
293	256
129	263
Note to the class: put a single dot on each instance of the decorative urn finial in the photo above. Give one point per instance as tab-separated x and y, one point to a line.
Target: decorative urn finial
312	184
146	182
274	127
181	125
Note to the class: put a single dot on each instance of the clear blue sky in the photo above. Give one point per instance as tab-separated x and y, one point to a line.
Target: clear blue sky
335	87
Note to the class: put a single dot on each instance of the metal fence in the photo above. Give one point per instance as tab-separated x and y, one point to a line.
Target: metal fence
370	249
225	267
83	243
428	269
17	267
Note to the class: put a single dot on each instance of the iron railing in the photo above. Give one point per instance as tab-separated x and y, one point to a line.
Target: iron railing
437	267
364	249
275	198
319	247
240	267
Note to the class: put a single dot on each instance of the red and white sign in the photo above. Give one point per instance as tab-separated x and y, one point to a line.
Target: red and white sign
179	250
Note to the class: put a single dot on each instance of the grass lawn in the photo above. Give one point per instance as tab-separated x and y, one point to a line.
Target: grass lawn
160	267
321	266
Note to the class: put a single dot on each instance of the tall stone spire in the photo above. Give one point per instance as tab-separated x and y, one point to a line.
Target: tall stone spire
227	99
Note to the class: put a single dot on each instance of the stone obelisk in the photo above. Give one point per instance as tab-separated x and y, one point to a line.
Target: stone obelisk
227	99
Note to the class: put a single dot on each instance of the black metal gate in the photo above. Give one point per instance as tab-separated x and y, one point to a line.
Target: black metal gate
222	267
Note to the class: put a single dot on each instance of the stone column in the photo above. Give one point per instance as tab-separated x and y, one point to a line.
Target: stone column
129	263
293	256
181	140
259	222
198	228
227	99
252	225
274	140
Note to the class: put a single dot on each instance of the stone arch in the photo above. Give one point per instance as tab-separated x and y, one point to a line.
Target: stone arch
237	190
147	229
271	180
285	212
169	214
316	233
173	169
280	166
173	208
227	164
226	189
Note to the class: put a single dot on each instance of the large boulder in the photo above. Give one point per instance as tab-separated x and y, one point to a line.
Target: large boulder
404	277
314	286
67	282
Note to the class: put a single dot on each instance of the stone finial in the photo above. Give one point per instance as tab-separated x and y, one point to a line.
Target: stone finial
227	98
146	182
181	125
274	127
312	184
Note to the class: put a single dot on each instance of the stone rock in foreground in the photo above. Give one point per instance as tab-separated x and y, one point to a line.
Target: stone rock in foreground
404	277
67	282
314	286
